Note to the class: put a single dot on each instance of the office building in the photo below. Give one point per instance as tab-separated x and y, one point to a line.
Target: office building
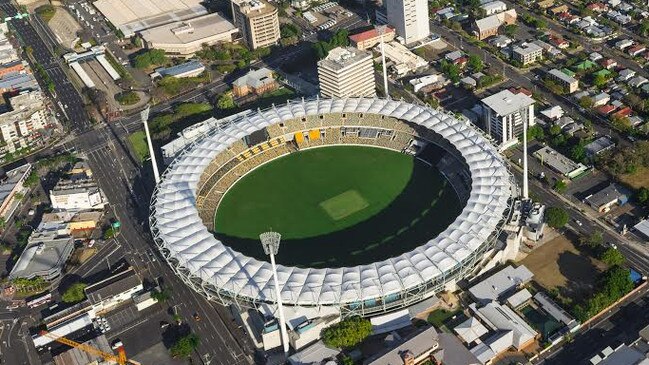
184	38
258	22
44	256
12	184
346	72
77	191
503	114
409	18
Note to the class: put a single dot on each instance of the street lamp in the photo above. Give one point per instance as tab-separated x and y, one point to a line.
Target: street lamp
270	243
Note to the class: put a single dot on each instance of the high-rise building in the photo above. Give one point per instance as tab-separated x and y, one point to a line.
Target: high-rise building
347	71
258	22
409	18
503	114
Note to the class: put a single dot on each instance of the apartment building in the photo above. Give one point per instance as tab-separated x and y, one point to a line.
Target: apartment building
568	83
503	115
20	125
258	22
527	53
409	18
346	71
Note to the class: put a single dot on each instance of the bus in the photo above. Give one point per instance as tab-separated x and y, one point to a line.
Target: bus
40	301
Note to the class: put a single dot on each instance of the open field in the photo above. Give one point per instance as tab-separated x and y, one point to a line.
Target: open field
638	179
140	147
560	265
344	205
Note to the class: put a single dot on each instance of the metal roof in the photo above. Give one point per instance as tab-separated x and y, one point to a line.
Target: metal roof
198	255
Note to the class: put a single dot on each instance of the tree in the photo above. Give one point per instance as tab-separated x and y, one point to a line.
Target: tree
560	186
160	295
644	28
642	195
225	101
475	63
586	102
612	257
594	239
578	152
348	333
184	346
555	130
74	293
535	132
510	30
600	81
556	217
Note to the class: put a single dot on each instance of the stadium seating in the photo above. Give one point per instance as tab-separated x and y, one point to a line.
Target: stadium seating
330	129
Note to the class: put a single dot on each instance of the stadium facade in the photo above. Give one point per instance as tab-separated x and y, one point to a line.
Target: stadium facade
184	203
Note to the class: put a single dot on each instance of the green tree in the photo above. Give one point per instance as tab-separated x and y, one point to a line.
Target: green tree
612	257
556	217
225	101
347	333
578	152
535	132
600	81
475	63
555	130
510	30
560	186
74	293
586	102
594	239
184	346
642	195
644	28
160	295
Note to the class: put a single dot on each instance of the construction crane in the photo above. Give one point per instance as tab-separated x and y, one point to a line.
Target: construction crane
119	359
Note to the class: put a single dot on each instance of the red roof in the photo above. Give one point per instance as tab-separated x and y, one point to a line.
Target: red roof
520	90
596	6
461	60
624	112
636	49
606	109
609	62
369	34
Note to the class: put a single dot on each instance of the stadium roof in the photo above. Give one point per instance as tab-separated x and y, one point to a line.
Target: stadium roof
186	242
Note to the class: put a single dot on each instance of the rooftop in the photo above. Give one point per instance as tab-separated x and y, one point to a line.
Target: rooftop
368	34
13	177
558	161
501	283
562	76
506	102
45	254
501	318
255	78
189	31
418	344
527	48
180	69
605	196
112	286
341	57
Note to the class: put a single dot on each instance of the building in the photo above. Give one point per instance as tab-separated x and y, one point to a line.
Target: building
185	38
409	18
258	22
77	191
488	26
255	82
501	284
560	163
317	353
12	184
568	83
110	292
190	68
603	200
509	331
44	256
133	16
401	60
503	114
370	38
432	81
493	7
527	53
28	116
601	144
77	356
346	72
422	346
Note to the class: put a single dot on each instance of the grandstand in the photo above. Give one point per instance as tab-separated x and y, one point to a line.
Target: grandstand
185	201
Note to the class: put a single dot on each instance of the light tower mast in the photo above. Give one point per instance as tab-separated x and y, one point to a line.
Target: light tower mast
144	116
270	242
381	30
525	172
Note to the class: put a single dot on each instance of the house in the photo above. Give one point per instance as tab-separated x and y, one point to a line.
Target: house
550	50
625	75
553	113
488	26
623	112
636	50
597	7
601	144
608	63
606	109
604	199
255	82
595	56
637	81
469	82
454	55
601	99
623	44
558	42
500	41
545	4
560	163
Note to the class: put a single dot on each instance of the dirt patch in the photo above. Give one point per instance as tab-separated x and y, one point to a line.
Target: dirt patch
560	266
638	179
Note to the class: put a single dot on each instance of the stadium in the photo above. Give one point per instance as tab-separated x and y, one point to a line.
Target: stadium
381	204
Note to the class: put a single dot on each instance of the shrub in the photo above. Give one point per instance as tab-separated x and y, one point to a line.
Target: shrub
74	293
347	333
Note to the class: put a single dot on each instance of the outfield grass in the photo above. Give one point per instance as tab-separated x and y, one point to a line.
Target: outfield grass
138	142
340	205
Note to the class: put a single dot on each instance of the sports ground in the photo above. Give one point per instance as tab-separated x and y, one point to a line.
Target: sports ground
337	206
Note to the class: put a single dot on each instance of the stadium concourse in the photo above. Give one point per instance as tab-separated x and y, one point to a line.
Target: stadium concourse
186	199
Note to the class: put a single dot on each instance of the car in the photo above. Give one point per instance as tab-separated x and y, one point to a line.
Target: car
197	318
611	245
164	324
578	222
117	344
91	243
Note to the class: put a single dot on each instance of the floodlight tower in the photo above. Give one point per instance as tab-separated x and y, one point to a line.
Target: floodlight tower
270	243
144	116
525	184
381	30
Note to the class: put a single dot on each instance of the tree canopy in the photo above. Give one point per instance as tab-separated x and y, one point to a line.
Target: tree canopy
556	217
612	257
74	293
225	101
152	57
347	333
184	346
614	284
322	48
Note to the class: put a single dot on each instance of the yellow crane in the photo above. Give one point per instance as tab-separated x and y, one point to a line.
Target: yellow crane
119	359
